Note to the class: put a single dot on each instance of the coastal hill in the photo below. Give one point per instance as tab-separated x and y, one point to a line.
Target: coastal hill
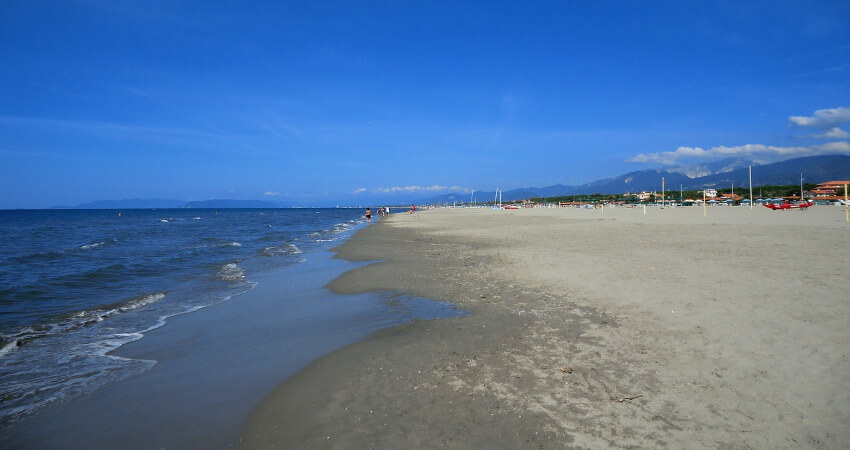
130	203
815	169
718	174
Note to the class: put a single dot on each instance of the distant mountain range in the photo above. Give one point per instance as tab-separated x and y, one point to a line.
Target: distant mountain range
722	174
130	203
158	203
718	174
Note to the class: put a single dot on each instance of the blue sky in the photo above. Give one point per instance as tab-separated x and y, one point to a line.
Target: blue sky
331	102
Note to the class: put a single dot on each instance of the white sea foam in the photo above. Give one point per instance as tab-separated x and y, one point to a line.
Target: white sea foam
91	246
142	301
85	361
231	272
196	218
75	321
231	244
10	346
278	250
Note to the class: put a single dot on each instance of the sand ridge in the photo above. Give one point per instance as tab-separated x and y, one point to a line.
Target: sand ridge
590	328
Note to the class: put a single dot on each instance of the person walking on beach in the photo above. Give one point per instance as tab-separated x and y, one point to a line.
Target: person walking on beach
369	215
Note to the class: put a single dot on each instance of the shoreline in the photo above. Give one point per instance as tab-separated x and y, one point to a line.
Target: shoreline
587	328
215	365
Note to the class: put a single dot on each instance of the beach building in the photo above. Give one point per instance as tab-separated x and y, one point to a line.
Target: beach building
711	193
829	191
735	198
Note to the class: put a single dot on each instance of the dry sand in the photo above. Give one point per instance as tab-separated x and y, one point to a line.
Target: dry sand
590	328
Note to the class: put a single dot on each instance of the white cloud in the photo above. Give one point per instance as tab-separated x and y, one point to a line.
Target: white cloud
272	194
823	118
752	150
834	147
397	189
835	133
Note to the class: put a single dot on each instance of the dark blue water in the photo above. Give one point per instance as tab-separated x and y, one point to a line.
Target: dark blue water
75	285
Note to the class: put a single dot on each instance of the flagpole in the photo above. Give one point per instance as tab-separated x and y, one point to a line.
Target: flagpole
751	187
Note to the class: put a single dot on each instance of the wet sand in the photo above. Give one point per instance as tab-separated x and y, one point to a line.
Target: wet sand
589	328
215	365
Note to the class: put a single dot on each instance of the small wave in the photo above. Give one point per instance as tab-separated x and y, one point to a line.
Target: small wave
99	274
196	218
166	220
231	272
57	254
327	235
139	302
340	227
76	320
277	250
43	256
274	236
96	244
215	243
8	347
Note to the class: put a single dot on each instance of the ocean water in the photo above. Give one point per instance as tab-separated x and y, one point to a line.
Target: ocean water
77	284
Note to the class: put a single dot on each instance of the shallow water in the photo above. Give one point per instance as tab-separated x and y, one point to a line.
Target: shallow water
75	285
196	379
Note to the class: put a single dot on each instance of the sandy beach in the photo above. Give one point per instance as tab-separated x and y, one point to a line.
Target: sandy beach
588	329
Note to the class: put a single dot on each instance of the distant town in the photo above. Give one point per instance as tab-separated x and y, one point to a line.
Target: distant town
827	193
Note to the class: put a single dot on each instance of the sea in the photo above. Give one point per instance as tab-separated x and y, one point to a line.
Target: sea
75	285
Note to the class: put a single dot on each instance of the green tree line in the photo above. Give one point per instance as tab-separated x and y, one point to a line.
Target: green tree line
767	191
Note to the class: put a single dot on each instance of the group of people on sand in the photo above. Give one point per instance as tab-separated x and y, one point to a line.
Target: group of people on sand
383	211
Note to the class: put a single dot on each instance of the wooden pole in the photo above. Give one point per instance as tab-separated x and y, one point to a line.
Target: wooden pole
704	214
751	187
846	211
